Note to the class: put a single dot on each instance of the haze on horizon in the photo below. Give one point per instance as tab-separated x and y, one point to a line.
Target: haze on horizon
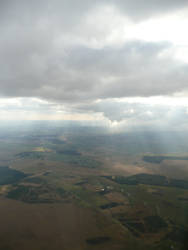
121	63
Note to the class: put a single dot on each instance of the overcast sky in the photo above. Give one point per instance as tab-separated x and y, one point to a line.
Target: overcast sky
119	61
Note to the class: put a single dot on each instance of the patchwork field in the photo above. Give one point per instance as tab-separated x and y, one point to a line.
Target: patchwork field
70	191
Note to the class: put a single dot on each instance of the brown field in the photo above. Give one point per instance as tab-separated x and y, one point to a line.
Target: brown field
55	226
85	208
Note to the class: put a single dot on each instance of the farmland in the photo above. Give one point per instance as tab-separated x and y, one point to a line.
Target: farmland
91	187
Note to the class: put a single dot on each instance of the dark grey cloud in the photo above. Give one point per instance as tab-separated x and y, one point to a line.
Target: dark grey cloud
141	9
81	73
43	54
136	69
68	12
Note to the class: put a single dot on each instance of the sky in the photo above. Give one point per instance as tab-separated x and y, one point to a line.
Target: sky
123	63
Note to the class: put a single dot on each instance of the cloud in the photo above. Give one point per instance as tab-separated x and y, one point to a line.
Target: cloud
144	9
71	54
131	114
69	12
81	73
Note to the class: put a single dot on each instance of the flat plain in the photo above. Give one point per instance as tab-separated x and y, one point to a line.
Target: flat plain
62	188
